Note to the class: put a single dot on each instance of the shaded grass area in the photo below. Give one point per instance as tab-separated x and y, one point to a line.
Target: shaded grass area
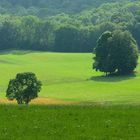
69	77
69	122
113	78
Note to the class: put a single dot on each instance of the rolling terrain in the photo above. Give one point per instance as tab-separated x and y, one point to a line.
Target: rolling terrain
76	103
69	77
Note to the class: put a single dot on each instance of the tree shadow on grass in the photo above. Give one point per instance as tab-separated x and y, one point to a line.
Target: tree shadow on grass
113	78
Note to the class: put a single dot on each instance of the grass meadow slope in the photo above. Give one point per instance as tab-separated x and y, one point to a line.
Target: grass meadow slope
69	77
108	110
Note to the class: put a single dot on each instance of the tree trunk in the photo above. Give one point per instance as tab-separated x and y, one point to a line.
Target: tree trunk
27	101
19	101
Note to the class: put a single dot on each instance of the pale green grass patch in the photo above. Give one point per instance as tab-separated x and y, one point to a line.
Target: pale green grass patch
69	76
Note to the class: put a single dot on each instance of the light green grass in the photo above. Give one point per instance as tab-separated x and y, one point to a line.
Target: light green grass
69	76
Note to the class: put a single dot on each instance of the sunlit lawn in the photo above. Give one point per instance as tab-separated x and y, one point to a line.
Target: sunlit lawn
69	76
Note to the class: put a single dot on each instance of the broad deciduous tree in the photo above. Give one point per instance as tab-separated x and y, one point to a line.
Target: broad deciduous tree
23	88
116	52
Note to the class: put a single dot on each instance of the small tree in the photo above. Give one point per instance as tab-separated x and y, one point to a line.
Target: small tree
116	52
23	88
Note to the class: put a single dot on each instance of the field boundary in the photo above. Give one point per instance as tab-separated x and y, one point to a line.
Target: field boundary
41	101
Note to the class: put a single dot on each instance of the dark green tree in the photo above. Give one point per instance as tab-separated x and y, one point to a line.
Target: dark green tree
116	52
67	39
23	88
9	36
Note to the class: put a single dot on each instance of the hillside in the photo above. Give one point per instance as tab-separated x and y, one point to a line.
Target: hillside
70	77
70	69
64	26
43	8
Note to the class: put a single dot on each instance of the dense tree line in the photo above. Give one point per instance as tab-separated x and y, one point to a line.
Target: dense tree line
43	8
23	33
65	31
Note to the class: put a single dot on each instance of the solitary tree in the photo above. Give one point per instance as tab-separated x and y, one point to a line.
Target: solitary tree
116	52
23	88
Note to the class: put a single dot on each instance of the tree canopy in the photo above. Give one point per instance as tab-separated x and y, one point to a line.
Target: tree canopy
116	51
23	88
67	26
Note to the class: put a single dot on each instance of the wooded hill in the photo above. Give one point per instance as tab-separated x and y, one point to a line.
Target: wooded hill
64	25
43	8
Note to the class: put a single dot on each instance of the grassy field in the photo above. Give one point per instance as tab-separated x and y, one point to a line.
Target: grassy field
109	107
69	77
69	123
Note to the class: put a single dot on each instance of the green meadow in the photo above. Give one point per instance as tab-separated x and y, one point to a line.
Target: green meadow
70	77
108	107
69	123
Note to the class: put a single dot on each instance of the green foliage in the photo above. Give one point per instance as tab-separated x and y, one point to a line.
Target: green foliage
70	39
37	25
116	52
45	8
23	88
102	52
9	35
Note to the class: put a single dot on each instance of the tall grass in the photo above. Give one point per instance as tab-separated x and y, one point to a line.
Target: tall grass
69	123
